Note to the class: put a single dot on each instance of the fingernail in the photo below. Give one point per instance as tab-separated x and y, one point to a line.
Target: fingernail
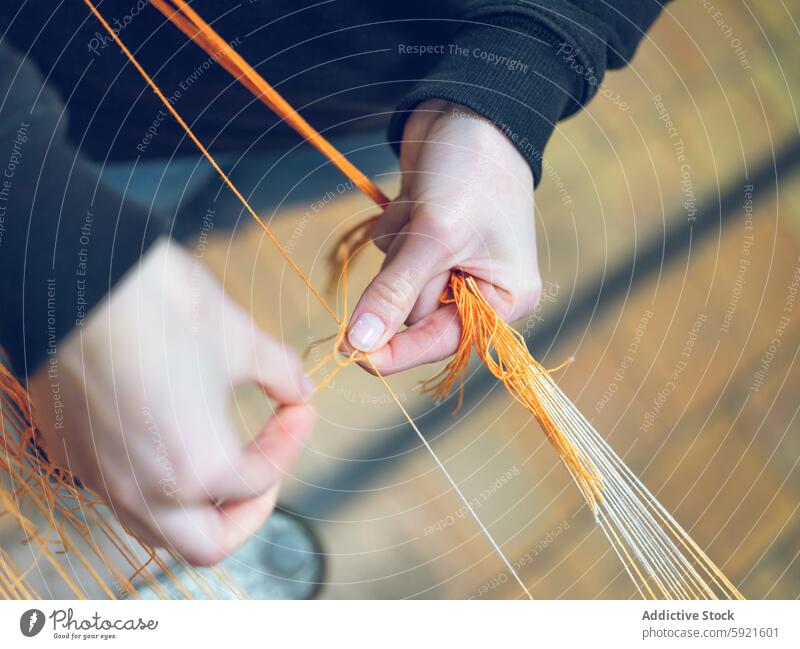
308	386
365	332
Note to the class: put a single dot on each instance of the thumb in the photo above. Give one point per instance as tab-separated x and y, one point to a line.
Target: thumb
390	297
265	460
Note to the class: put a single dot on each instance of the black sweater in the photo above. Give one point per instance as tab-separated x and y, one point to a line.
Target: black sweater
69	98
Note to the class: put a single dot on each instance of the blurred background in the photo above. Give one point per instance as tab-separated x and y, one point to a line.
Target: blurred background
668	221
653	236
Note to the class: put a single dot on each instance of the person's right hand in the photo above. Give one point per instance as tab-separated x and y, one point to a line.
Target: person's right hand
465	203
145	387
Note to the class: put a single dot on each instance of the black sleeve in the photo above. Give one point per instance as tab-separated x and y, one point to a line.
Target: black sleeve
65	238
526	64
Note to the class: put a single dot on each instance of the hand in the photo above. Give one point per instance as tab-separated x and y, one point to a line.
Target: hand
145	387
466	202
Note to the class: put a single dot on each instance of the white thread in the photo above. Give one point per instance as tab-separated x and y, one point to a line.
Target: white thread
441	466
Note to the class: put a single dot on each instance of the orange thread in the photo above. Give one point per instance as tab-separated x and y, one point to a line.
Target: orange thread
482	328
168	105
53	491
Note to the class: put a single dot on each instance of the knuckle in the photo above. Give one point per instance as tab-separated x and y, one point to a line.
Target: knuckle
275	359
438	224
452	228
528	298
485	140
533	294
208	552
124	493
290	361
394	292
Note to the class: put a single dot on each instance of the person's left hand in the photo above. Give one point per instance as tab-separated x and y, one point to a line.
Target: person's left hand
466	202
143	418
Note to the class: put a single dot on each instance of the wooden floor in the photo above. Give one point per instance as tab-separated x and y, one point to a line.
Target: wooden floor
719	444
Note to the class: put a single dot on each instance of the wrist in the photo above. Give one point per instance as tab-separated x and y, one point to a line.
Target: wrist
479	133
